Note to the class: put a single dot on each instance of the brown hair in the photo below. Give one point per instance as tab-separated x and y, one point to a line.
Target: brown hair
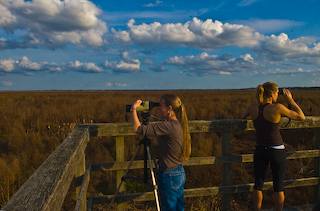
265	90
181	114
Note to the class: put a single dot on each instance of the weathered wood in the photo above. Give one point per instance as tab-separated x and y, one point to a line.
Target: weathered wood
120	157
226	171
210	191
81	203
110	129
138	164
248	158
80	171
47	187
198	126
316	142
197	161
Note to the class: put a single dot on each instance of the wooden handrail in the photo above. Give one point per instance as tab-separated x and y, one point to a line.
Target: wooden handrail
210	191
47	187
201	126
197	161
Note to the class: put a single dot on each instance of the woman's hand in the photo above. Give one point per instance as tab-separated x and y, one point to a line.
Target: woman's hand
136	104
135	118
295	111
287	95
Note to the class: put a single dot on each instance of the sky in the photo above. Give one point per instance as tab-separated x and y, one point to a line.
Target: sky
158	44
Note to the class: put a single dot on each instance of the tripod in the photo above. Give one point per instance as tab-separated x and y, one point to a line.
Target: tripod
148	162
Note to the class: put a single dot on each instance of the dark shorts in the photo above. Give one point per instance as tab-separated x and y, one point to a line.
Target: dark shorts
263	156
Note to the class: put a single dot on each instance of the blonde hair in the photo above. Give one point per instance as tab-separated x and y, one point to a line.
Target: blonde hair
265	90
181	114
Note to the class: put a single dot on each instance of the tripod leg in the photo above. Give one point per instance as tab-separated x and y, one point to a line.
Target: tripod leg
145	161
155	187
125	174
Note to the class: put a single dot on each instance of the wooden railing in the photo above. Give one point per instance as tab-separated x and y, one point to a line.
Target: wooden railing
47	187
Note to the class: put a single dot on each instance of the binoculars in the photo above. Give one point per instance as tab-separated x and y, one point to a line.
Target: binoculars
281	91
144	107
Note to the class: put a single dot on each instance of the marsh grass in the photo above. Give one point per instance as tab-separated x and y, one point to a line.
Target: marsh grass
33	124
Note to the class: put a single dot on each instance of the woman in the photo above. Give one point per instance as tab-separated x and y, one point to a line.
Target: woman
174	147
266	115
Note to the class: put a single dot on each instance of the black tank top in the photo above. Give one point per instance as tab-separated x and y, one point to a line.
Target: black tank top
267	133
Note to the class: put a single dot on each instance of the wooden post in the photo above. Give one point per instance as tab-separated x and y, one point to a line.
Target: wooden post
80	170
81	204
227	172
316	142
120	157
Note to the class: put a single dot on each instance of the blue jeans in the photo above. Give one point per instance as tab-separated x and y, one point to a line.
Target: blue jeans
171	189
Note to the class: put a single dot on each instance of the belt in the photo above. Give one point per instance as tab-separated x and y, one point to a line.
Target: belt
271	146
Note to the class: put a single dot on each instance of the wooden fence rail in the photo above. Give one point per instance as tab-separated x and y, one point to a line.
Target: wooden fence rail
48	186
226	129
46	189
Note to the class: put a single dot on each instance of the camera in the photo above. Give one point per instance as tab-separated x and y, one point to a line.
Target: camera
281	91
144	107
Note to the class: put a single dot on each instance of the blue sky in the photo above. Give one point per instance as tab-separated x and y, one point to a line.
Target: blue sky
158	44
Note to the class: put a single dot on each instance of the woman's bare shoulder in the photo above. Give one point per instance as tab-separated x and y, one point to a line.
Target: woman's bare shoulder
278	106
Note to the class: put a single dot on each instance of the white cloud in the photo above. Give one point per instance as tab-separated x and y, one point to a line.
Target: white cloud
281	47
153	4
122	66
116	84
6	17
85	67
54	22
55	68
126	65
209	34
247	57
121	35
224	73
288	71
26	64
212	64
197	33
245	3
7	65
125	55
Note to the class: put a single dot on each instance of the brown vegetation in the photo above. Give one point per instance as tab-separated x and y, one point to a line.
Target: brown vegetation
34	123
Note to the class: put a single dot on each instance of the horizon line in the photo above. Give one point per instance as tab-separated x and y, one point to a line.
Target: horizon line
102	90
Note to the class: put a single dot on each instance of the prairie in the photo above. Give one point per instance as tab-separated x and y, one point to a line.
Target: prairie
35	123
